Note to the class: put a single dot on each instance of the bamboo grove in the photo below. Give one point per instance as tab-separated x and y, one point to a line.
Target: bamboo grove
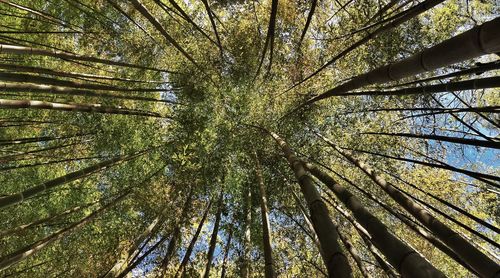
246	138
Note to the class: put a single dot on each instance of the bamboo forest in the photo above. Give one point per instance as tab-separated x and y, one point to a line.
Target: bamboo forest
249	138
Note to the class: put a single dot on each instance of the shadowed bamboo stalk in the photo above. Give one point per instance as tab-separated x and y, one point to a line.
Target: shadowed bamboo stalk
176	233
353	252
308	21
22	228
78	75
190	247
35	247
337	264
406	220
187	18
134	250
269	37
404	258
226	253
457	140
386	266
213	238
478	261
214	26
473	84
478	69
441	165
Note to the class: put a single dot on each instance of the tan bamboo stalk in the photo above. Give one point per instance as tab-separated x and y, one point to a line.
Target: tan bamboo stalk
176	233
33	248
307	219
406	15
247	243
403	257
17	198
266	229
480	40
24	227
133	250
144	11
190	247
96	108
213	239
338	265
478	261
22	50
24	87
78	75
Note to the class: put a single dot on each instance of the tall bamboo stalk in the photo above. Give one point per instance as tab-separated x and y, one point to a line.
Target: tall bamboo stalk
337	263
480	40
403	257
478	261
266	229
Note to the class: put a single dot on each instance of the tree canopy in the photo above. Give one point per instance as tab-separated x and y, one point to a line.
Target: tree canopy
215	138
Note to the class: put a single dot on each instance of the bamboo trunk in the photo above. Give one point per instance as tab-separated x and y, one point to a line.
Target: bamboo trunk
31	249
480	40
337	264
28	78
213	239
266	230
404	258
411	224
58	106
144	11
30	192
245	267
473	84
405	16
176	233
190	247
226	254
478	261
457	140
22	50
58	90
